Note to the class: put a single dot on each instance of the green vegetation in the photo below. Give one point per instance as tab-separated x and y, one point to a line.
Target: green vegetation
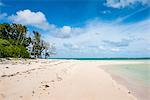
14	43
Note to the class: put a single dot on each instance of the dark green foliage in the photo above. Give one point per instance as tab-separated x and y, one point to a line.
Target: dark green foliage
13	42
23	52
4	42
8	50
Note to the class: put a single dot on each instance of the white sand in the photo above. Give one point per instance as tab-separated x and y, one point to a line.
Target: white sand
59	80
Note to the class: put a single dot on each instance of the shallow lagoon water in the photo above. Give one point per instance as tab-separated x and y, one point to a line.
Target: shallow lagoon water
136	77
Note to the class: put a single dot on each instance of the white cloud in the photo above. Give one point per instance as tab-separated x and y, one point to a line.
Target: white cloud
125	3
63	32
65	29
38	20
27	17
122	39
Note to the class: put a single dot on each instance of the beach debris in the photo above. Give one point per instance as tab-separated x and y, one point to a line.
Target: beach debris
129	92
52	81
46	86
2	95
21	96
19	73
33	92
3	75
6	67
10	75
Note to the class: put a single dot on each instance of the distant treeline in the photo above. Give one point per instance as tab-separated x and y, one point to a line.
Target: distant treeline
15	43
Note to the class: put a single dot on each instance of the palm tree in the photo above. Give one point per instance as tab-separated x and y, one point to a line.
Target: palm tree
20	32
25	32
36	43
5	31
37	36
40	45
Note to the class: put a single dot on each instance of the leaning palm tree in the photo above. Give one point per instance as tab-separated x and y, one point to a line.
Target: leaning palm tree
24	33
36	44
37	36
20	32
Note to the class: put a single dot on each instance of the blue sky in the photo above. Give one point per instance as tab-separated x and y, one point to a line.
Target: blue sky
86	28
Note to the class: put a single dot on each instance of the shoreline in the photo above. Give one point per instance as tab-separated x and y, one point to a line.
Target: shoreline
52	79
141	91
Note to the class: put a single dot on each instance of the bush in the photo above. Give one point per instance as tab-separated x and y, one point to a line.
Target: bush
5	51
23	52
12	41
4	42
8	50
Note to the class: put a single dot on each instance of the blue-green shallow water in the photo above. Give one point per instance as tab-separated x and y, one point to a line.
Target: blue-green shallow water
136	77
102	58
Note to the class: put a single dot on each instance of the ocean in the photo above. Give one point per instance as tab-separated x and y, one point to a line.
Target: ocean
136	77
103	58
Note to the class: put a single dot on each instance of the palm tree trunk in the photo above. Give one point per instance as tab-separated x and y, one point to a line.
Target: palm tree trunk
22	40
18	39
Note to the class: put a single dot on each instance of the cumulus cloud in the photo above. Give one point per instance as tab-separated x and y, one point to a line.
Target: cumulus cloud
65	29
65	32
98	38
27	17
62	32
38	20
124	3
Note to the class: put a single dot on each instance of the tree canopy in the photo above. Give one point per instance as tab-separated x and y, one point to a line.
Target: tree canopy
15	43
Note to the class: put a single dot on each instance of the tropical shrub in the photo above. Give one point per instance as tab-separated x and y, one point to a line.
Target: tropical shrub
8	50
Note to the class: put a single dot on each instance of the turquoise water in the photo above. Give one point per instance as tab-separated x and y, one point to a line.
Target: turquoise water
140	72
136	77
103	58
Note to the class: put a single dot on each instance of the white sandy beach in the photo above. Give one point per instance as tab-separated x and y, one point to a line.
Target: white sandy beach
59	80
